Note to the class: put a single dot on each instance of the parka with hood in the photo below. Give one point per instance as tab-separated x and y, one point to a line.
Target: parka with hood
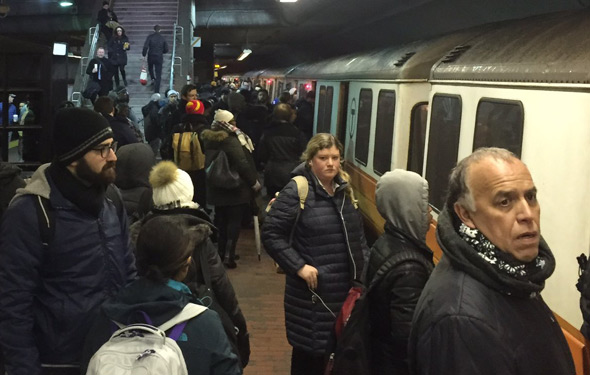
48	294
240	160
472	319
328	236
402	200
134	163
116	47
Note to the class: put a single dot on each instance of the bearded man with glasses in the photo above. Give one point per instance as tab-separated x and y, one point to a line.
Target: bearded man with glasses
50	288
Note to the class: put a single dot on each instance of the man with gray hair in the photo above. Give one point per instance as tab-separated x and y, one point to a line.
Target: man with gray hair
481	311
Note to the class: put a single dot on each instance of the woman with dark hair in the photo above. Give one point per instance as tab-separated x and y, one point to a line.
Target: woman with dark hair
164	249
118	46
322	248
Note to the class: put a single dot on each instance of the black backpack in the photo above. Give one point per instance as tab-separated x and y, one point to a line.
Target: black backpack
349	347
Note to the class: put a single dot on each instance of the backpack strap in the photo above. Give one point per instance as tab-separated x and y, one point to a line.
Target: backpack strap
302	190
46	220
396	259
180	321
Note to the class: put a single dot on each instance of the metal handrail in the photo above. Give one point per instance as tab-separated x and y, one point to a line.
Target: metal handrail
93	34
181	34
178	63
173	56
78	100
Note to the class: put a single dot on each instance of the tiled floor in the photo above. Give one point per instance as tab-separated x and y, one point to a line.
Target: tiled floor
260	293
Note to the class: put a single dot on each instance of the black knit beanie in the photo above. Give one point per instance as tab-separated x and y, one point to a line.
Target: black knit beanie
76	131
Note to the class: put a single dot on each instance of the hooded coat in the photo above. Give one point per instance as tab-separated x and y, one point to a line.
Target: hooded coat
328	236
134	163
48	294
203	343
10	180
116	48
402	200
471	319
239	159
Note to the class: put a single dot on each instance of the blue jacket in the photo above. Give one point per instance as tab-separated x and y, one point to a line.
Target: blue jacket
328	236
48	295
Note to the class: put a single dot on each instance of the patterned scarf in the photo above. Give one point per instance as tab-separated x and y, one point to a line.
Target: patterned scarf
503	262
242	137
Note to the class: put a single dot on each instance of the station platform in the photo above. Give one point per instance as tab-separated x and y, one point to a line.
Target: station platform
260	293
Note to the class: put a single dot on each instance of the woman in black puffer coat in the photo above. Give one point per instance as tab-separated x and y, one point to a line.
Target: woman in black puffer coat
118	46
328	250
231	204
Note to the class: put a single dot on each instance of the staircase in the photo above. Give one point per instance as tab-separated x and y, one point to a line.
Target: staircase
139	17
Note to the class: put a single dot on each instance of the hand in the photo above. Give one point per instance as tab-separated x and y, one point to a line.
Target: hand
94	70
310	275
256	187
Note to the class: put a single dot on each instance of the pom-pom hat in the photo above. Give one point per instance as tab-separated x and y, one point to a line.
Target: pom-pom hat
195	107
172	187
77	131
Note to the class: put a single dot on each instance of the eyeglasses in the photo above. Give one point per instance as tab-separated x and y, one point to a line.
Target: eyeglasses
105	149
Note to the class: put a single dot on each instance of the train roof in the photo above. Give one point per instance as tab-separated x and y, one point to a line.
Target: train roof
411	61
551	48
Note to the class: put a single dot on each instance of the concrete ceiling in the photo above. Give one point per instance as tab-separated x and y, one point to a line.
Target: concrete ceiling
282	34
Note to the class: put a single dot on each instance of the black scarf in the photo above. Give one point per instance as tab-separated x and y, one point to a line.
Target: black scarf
87	197
474	254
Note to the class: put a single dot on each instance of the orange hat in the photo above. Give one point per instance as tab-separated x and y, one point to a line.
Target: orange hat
195	107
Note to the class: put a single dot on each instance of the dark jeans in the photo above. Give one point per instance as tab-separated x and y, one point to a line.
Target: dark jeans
155	62
306	363
228	220
117	69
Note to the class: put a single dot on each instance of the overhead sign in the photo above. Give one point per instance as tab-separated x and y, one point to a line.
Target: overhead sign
196	41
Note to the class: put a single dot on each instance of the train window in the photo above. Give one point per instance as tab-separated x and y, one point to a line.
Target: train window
499	123
417	137
443	145
325	109
384	132
363	126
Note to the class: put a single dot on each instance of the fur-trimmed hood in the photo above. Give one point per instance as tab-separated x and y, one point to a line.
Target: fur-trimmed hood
209	135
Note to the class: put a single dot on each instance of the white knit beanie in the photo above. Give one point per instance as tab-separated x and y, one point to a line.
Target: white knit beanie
172	187
223	115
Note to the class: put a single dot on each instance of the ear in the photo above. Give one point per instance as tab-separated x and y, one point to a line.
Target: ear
464	215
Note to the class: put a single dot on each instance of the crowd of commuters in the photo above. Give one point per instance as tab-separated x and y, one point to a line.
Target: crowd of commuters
68	256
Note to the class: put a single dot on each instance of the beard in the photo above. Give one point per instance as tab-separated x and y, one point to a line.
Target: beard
104	178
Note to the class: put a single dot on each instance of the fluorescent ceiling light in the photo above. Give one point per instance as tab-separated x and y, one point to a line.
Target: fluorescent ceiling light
60	49
287	1
66	3
245	53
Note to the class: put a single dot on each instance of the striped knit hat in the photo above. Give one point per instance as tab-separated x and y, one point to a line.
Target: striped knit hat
76	131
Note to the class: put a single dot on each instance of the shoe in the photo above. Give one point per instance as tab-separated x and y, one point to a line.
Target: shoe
125	82
231	264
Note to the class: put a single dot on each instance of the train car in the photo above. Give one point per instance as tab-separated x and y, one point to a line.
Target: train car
523	85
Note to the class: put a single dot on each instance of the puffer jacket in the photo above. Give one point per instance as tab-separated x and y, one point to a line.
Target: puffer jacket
470	319
155	46
280	149
10	180
203	343
402	199
240	160
328	236
49	294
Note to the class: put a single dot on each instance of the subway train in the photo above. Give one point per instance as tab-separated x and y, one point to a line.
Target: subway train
523	85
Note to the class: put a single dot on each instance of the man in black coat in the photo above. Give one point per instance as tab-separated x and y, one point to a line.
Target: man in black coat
105	15
155	47
481	311
280	149
101	70
122	131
